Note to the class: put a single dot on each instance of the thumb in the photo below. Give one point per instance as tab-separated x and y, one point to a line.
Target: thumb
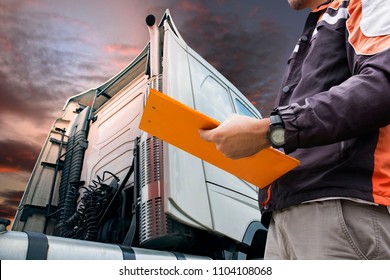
205	134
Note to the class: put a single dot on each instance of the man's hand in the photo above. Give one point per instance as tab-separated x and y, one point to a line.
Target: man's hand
239	136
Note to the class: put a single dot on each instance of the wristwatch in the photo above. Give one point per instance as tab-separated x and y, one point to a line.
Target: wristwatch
276	130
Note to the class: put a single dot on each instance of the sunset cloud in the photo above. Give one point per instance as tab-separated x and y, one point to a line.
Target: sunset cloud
121	54
10	203
45	57
17	156
249	55
193	7
124	50
42	64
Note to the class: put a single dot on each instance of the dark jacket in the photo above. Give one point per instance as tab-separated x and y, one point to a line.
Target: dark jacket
335	104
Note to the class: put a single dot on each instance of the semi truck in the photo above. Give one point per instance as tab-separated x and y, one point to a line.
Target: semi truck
104	189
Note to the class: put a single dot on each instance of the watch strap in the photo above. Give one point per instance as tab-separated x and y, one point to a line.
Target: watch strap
276	121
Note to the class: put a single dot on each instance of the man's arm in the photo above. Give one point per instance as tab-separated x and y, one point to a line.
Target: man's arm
361	103
239	136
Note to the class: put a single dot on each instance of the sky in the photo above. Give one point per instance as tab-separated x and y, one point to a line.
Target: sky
51	50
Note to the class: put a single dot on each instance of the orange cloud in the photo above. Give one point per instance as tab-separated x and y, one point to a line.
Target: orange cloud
9	205
6	44
17	156
121	49
8	169
190	6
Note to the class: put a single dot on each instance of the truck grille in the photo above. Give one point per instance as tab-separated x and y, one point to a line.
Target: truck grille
152	217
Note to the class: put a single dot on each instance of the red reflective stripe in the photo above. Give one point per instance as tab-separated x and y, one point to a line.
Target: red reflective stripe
264	203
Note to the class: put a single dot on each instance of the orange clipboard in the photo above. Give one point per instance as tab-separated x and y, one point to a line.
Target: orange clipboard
178	125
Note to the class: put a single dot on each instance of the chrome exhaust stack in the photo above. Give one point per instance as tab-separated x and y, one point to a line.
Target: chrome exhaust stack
155	50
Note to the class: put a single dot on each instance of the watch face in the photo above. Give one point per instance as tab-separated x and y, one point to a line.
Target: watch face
277	136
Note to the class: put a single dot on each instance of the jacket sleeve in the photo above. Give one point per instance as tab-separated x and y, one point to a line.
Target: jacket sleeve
361	103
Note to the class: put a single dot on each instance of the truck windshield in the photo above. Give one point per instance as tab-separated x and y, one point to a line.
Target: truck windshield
213	99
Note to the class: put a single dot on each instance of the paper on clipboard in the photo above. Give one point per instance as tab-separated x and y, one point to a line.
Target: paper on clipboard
178	125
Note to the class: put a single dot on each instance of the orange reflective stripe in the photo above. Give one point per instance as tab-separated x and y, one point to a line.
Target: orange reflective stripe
362	44
325	6
381	175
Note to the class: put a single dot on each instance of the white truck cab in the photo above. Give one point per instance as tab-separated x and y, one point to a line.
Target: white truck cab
106	189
